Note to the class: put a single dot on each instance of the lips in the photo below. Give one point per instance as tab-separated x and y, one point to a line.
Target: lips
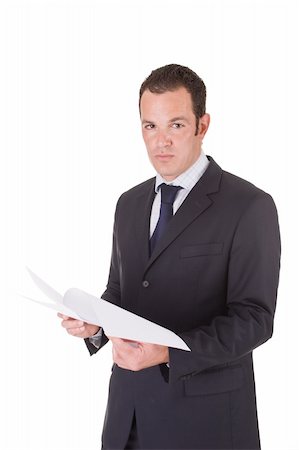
164	157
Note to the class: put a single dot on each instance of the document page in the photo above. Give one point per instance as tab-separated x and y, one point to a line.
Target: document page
115	321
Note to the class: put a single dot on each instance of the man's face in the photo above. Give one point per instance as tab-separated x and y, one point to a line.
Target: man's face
168	128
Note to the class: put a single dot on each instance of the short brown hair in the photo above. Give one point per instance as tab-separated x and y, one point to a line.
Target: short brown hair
172	77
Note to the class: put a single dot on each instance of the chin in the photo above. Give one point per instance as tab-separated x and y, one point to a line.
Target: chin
168	176
165	173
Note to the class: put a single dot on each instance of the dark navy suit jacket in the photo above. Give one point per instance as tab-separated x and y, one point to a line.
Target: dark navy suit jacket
212	279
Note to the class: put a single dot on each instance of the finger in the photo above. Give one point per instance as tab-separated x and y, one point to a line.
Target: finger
72	323
121	341
121	344
115	340
118	358
62	316
131	343
78	332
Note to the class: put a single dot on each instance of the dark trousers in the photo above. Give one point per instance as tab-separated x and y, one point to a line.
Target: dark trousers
133	443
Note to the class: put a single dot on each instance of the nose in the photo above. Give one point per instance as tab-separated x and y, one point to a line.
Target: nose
163	140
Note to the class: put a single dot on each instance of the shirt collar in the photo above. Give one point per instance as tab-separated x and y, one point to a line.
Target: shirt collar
189	178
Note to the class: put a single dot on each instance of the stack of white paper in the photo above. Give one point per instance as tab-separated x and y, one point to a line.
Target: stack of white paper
115	321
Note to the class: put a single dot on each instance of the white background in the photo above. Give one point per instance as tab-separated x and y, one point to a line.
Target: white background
70	143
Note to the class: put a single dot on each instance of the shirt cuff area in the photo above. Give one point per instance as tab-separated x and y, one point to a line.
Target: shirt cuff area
96	339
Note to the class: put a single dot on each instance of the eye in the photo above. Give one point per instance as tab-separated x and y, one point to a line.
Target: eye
177	125
149	126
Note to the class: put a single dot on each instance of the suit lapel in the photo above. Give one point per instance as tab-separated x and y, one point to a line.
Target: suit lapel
143	210
194	205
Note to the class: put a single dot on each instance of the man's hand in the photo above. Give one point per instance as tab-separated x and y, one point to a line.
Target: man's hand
78	327
135	356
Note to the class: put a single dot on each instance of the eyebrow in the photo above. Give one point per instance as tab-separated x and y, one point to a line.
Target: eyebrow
179	118
174	119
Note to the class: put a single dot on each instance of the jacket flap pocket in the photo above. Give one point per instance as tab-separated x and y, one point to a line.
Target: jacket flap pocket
201	250
215	381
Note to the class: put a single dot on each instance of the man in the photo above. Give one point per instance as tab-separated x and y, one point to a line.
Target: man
200	257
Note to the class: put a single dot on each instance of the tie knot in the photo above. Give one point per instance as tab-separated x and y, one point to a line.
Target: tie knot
168	193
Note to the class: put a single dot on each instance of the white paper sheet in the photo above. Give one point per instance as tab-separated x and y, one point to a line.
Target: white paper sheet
115	321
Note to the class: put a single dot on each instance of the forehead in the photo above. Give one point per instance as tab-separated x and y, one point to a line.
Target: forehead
168	103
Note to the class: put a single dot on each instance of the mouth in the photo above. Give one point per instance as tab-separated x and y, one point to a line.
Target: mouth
164	157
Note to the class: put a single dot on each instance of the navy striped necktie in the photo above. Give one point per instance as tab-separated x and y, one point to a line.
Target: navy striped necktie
168	195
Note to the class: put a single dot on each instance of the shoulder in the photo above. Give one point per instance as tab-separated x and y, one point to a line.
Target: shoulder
241	189
250	202
142	189
145	186
238	194
237	185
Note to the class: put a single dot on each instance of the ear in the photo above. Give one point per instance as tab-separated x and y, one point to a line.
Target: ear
204	123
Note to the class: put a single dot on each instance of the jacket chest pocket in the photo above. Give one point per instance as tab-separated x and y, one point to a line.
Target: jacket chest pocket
210	249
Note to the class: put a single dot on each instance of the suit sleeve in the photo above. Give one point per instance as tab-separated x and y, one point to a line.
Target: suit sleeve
252	282
112	292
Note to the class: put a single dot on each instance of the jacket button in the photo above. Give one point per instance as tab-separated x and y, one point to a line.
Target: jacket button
145	283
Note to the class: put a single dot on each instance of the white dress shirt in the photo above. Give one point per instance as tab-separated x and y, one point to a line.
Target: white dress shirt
186	180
